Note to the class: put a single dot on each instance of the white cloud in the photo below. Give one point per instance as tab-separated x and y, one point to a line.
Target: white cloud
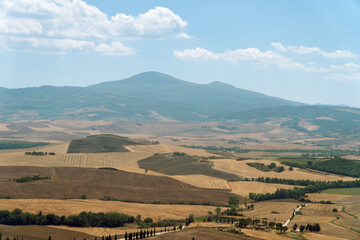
348	67
114	49
278	46
196	54
77	21
343	77
312	50
247	56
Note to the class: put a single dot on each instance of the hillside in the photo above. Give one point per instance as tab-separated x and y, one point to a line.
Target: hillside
325	120
145	96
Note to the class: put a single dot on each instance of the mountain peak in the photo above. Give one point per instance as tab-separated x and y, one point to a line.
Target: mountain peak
152	77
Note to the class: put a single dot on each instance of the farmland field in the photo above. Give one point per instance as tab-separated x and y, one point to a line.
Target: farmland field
273	210
241	168
75	206
73	182
100	144
173	164
40	233
202	234
344	191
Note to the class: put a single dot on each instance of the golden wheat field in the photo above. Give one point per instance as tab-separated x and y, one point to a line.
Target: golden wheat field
264	235
164	148
240	168
278	211
243	188
202	181
317	197
102	231
317	236
75	206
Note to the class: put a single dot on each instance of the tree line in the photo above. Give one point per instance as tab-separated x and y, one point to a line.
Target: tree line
336	165
29	179
34	153
299	193
84	219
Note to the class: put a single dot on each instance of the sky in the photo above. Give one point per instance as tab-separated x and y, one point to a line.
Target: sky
301	50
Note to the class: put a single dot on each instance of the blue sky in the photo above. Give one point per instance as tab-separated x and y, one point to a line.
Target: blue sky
304	51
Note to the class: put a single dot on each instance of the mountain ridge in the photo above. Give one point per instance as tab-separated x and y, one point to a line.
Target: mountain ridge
144	96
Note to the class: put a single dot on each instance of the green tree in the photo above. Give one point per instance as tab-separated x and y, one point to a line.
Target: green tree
217	210
295	227
83	196
234	200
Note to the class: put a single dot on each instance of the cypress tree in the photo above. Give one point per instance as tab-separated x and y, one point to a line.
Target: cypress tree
126	236
141	234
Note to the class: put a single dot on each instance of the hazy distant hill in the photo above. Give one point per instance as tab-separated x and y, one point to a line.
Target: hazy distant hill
149	95
316	119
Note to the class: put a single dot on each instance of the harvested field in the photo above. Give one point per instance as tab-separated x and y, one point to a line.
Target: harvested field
75	206
172	164
240	168
162	148
96	183
40	233
124	160
202	234
100	144
317	236
352	206
317	197
203	181
101	231
243	188
264	235
330	229
283	210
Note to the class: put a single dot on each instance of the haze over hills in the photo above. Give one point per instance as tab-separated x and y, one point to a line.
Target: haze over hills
156	96
145	96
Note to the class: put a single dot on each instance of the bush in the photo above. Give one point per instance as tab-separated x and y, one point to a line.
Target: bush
83	196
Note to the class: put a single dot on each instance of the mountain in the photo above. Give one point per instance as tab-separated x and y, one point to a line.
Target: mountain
325	120
145	96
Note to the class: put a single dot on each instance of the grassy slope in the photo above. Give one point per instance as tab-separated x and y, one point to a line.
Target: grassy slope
183	165
344	191
100	144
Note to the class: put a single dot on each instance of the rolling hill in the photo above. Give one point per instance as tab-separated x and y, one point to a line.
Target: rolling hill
145	96
325	120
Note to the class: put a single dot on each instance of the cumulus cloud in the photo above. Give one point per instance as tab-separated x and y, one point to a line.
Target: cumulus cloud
114	49
312	50
63	21
255	56
196	54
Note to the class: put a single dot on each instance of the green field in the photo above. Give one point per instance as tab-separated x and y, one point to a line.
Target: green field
174	164
301	162
100	144
20	144
345	191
